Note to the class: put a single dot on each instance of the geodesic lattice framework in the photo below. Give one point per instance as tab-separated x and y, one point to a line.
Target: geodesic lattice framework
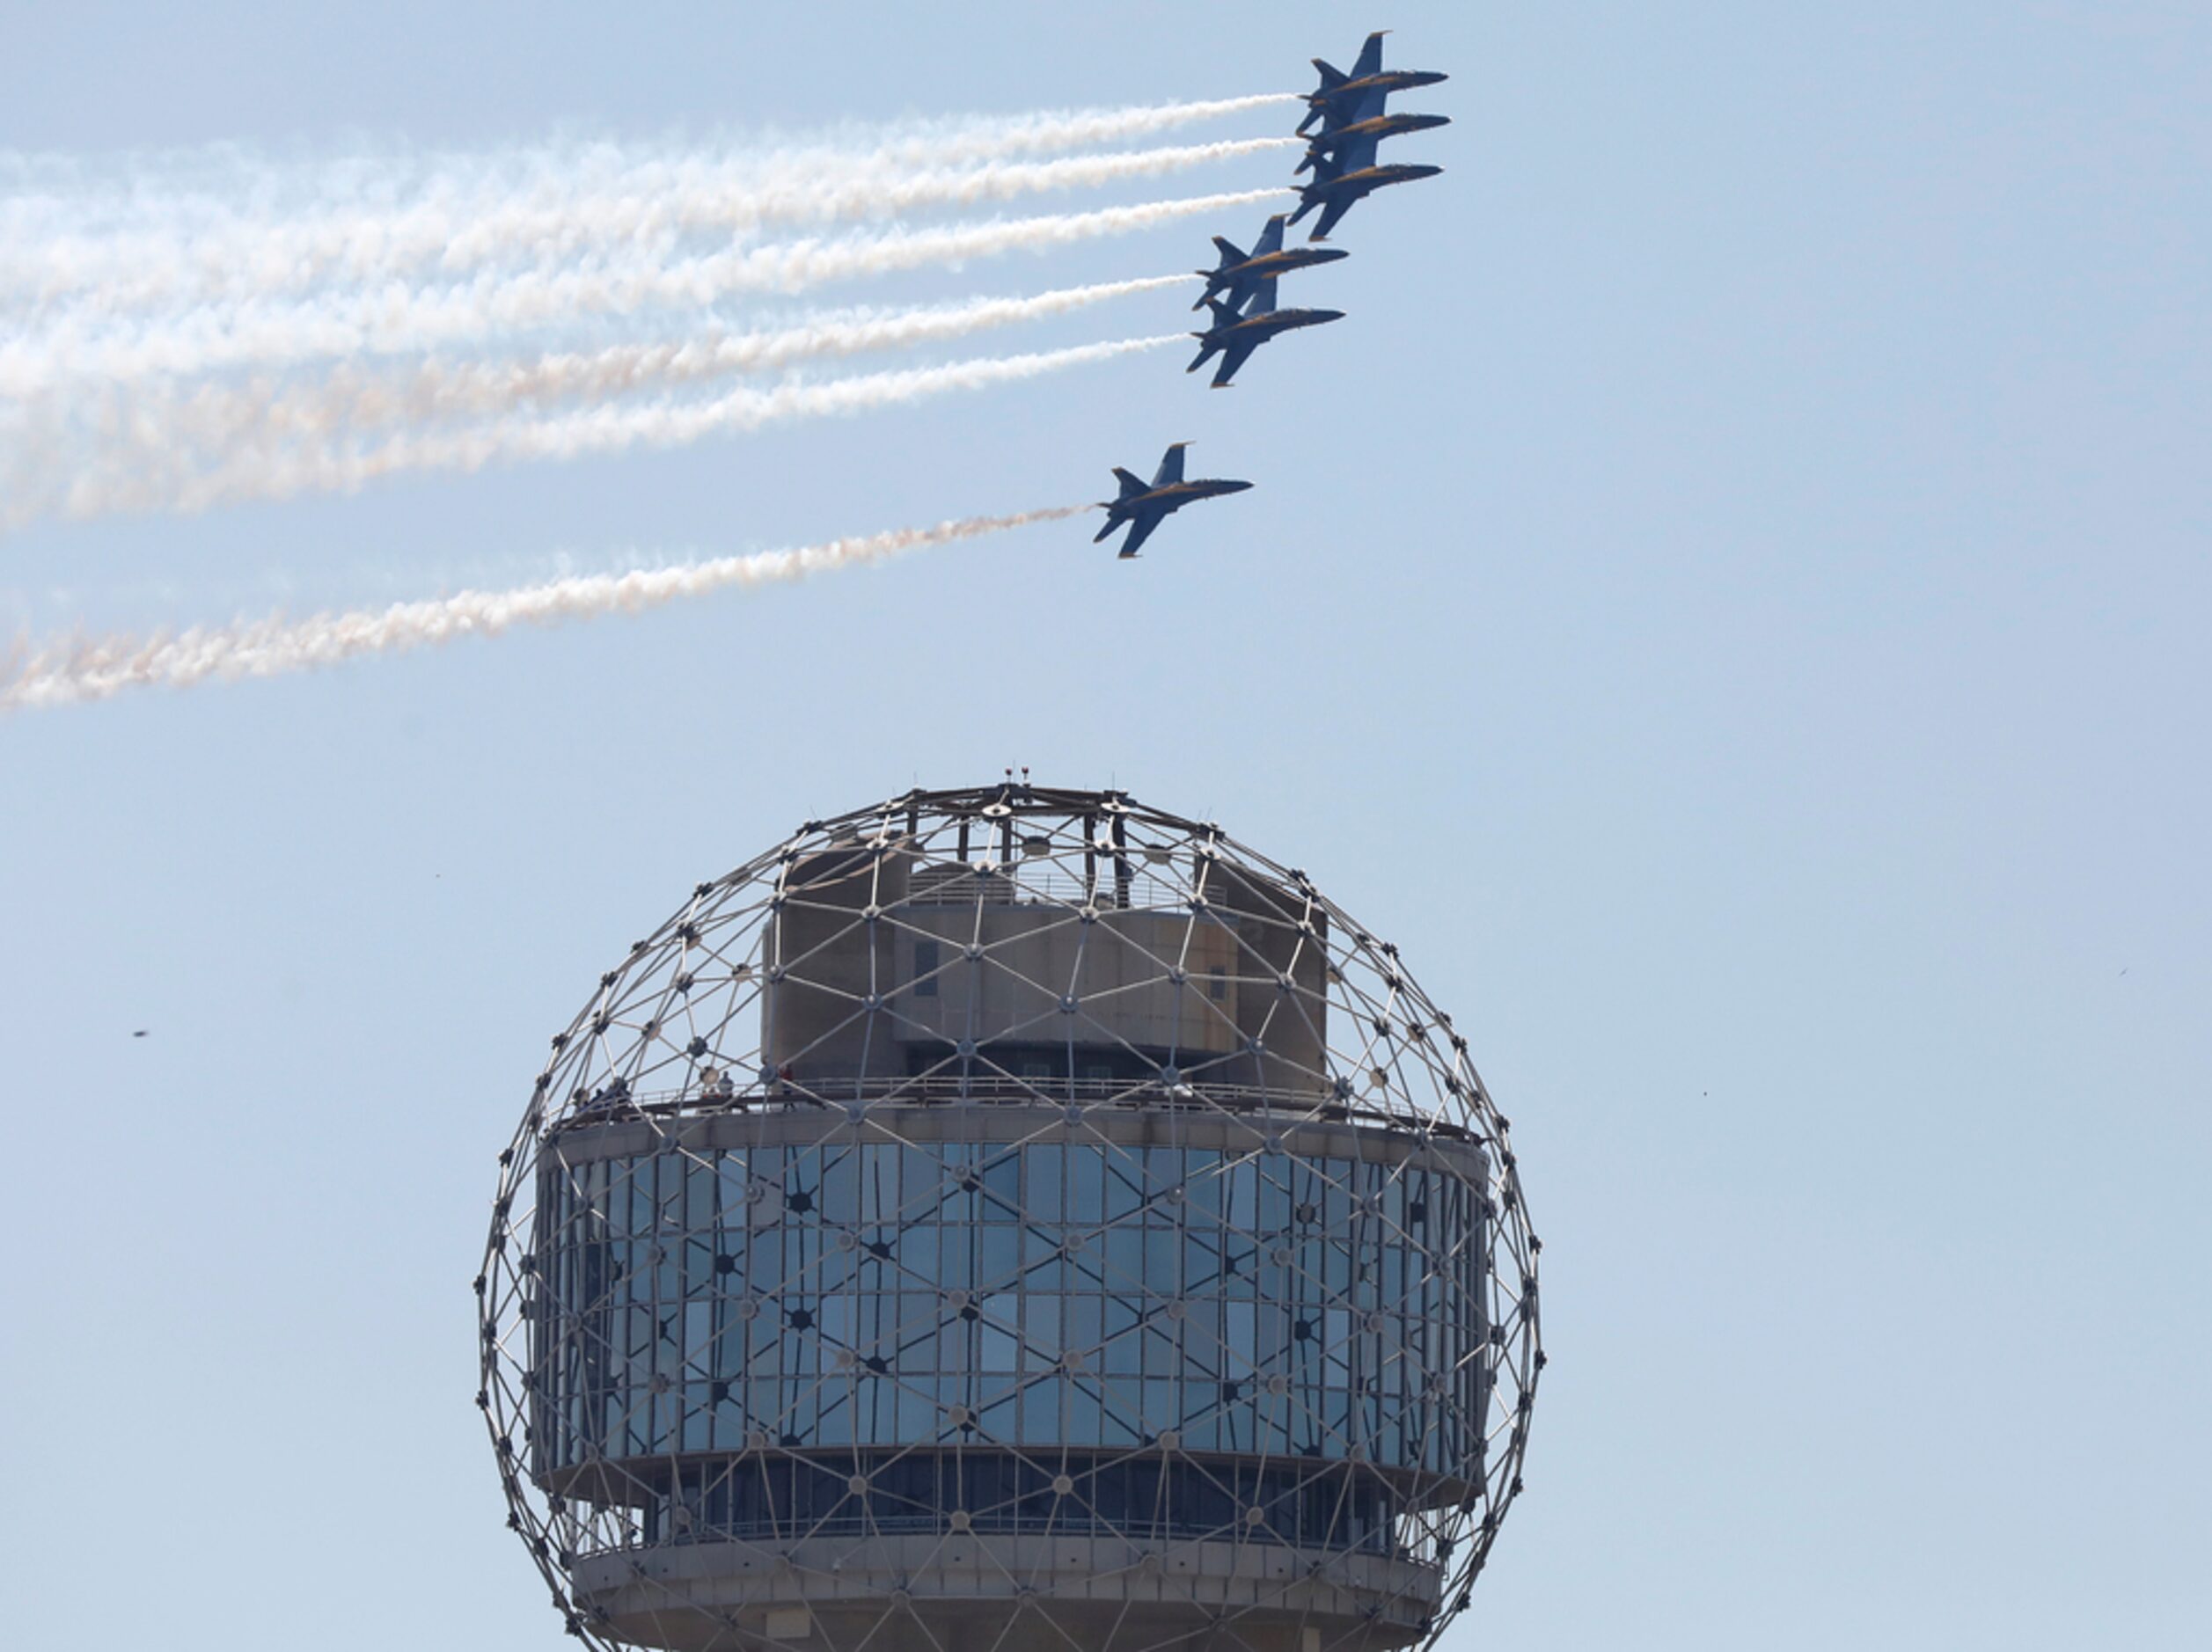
1016	1216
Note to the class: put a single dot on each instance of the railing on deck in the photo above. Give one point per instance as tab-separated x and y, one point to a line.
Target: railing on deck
784	1095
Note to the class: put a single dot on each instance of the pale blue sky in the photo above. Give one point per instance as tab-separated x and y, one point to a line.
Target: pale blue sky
1730	601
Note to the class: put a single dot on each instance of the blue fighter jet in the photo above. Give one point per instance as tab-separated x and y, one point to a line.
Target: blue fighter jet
1241	273
1144	506
1333	139
1339	92
1349	177
1236	336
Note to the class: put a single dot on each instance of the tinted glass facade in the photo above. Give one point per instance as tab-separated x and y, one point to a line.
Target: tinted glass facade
1071	1294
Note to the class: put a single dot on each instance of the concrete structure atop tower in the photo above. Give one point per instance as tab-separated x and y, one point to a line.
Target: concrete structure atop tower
1009	1217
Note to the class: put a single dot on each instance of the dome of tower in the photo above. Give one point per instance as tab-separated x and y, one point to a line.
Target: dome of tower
1009	1205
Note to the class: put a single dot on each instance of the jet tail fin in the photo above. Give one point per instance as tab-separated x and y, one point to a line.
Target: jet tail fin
1317	101
1326	172
1228	249
1130	484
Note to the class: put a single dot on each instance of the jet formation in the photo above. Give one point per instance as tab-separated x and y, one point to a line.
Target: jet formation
1353	123
1344	159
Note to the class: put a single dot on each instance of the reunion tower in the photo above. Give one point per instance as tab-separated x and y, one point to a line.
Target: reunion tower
1009	1218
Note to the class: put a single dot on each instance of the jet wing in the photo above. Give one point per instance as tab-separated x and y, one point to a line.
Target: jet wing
1170	470
1140	530
1232	357
1338	205
1317	102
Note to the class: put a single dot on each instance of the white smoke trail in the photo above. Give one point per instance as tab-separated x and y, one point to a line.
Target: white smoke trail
145	428
264	474
418	318
68	670
537	204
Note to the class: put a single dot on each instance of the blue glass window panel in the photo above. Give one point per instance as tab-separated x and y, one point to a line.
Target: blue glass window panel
1241	1333
838	1198
1124	1185
1162	1356
1045	1162
958	1207
699	1193
1040	1412
918	1416
699	1265
633	1199
1120	1313
998	1417
1086	1425
995	1349
919	1173
1085	1327
1124	1411
1123	1356
1162	1248
1041	1324
998	1254
1124	1255
916	1252
1240	1264
956	1258
1204	1184
1086	1187
876	1184
1201	1259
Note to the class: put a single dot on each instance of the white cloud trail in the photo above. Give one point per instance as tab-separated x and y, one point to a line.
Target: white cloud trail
249	473
398	319
68	670
149	425
271	230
